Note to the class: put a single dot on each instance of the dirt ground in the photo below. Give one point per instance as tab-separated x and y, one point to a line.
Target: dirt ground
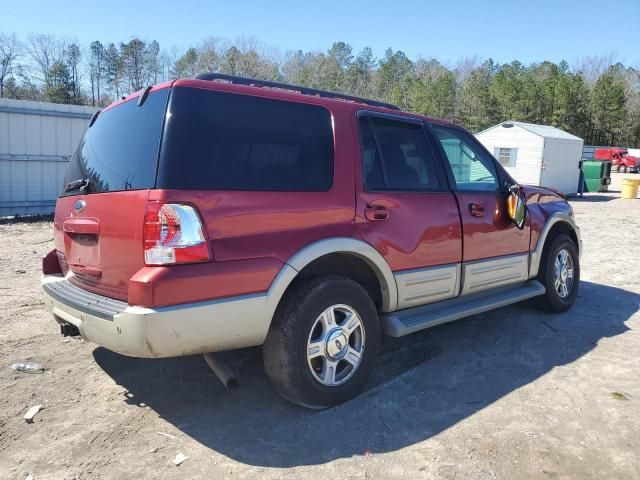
513	394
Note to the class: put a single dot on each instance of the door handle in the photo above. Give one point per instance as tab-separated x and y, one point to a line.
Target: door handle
81	225
476	210
376	213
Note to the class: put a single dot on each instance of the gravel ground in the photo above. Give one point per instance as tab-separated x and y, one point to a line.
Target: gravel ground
513	394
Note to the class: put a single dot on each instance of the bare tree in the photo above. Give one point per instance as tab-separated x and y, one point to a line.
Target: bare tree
210	53
592	67
464	66
113	69
152	60
46	51
133	56
166	60
97	69
72	58
631	79
10	48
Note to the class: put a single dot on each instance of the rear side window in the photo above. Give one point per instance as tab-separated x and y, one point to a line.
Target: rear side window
221	141
120	150
396	156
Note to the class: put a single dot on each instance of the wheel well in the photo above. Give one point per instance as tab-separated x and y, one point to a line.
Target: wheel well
345	265
558	228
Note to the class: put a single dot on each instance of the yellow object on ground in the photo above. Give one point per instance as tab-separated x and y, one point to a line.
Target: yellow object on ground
630	188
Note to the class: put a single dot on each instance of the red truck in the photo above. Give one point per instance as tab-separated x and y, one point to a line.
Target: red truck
620	159
219	213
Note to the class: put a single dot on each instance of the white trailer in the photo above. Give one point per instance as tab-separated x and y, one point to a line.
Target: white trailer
633	152
36	141
536	154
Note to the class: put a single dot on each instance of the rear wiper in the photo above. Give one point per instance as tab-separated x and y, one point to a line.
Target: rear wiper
81	184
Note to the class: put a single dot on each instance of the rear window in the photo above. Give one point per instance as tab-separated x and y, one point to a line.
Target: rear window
222	141
120	150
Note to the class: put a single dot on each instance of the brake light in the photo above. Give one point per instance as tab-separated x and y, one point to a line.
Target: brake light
173	233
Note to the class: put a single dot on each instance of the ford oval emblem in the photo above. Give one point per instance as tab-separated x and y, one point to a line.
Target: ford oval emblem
79	205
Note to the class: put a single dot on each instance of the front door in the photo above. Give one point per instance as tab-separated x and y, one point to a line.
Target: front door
495	251
405	210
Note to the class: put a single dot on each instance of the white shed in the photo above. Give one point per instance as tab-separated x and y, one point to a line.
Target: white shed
36	141
536	154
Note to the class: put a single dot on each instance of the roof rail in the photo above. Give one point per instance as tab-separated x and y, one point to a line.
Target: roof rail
254	82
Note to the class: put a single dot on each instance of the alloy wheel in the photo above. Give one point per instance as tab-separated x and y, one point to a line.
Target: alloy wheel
563	273
335	345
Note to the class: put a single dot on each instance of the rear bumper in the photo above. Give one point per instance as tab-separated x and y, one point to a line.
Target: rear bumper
185	329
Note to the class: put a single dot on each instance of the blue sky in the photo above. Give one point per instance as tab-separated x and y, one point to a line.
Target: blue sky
529	31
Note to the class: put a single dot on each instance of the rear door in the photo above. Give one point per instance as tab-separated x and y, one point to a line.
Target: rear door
100	212
405	210
495	251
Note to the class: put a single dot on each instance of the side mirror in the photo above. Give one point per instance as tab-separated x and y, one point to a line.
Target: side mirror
516	208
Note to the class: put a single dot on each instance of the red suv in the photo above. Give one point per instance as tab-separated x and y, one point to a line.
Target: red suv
221	212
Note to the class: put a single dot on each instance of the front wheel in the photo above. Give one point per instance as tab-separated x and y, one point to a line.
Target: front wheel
560	274
622	169
323	342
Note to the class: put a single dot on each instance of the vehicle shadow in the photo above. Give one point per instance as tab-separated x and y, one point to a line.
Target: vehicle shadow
461	368
595	198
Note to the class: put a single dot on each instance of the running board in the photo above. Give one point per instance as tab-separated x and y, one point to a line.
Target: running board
410	320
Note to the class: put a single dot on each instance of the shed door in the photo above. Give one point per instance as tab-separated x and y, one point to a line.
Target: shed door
560	165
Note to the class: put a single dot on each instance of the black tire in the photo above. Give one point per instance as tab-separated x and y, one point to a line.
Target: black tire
285	349
552	301
623	169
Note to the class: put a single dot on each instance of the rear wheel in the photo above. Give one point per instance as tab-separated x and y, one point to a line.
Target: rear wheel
560	274
622	169
323	342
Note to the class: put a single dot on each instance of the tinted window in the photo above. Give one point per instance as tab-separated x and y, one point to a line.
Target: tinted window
223	141
472	168
396	156
120	150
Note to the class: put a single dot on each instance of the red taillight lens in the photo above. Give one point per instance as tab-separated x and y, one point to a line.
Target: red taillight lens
173	233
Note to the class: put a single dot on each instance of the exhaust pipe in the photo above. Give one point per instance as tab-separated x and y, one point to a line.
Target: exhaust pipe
222	369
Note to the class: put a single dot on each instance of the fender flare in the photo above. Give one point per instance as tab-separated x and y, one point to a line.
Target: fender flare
535	257
345	245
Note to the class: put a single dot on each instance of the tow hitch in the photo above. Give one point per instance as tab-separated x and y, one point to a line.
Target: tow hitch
68	330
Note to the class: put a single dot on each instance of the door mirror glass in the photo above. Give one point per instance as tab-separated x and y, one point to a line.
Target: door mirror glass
516	208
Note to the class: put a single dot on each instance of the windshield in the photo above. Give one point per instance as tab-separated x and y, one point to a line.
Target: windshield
120	150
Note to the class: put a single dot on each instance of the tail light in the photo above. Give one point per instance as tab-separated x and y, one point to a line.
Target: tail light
173	234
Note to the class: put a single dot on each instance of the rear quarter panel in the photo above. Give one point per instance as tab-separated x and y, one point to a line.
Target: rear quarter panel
252	234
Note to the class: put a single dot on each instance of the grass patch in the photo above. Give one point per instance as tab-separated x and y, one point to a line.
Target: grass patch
618	396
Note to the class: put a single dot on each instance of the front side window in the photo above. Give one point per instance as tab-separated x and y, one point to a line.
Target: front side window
221	141
472	168
396	156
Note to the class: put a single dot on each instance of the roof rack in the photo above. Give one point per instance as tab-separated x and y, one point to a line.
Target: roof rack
254	82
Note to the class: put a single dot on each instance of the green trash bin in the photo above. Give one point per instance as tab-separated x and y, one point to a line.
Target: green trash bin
597	175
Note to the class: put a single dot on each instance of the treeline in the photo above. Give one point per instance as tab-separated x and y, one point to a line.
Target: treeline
597	99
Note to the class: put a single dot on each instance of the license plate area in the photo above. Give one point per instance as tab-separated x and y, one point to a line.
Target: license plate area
83	249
